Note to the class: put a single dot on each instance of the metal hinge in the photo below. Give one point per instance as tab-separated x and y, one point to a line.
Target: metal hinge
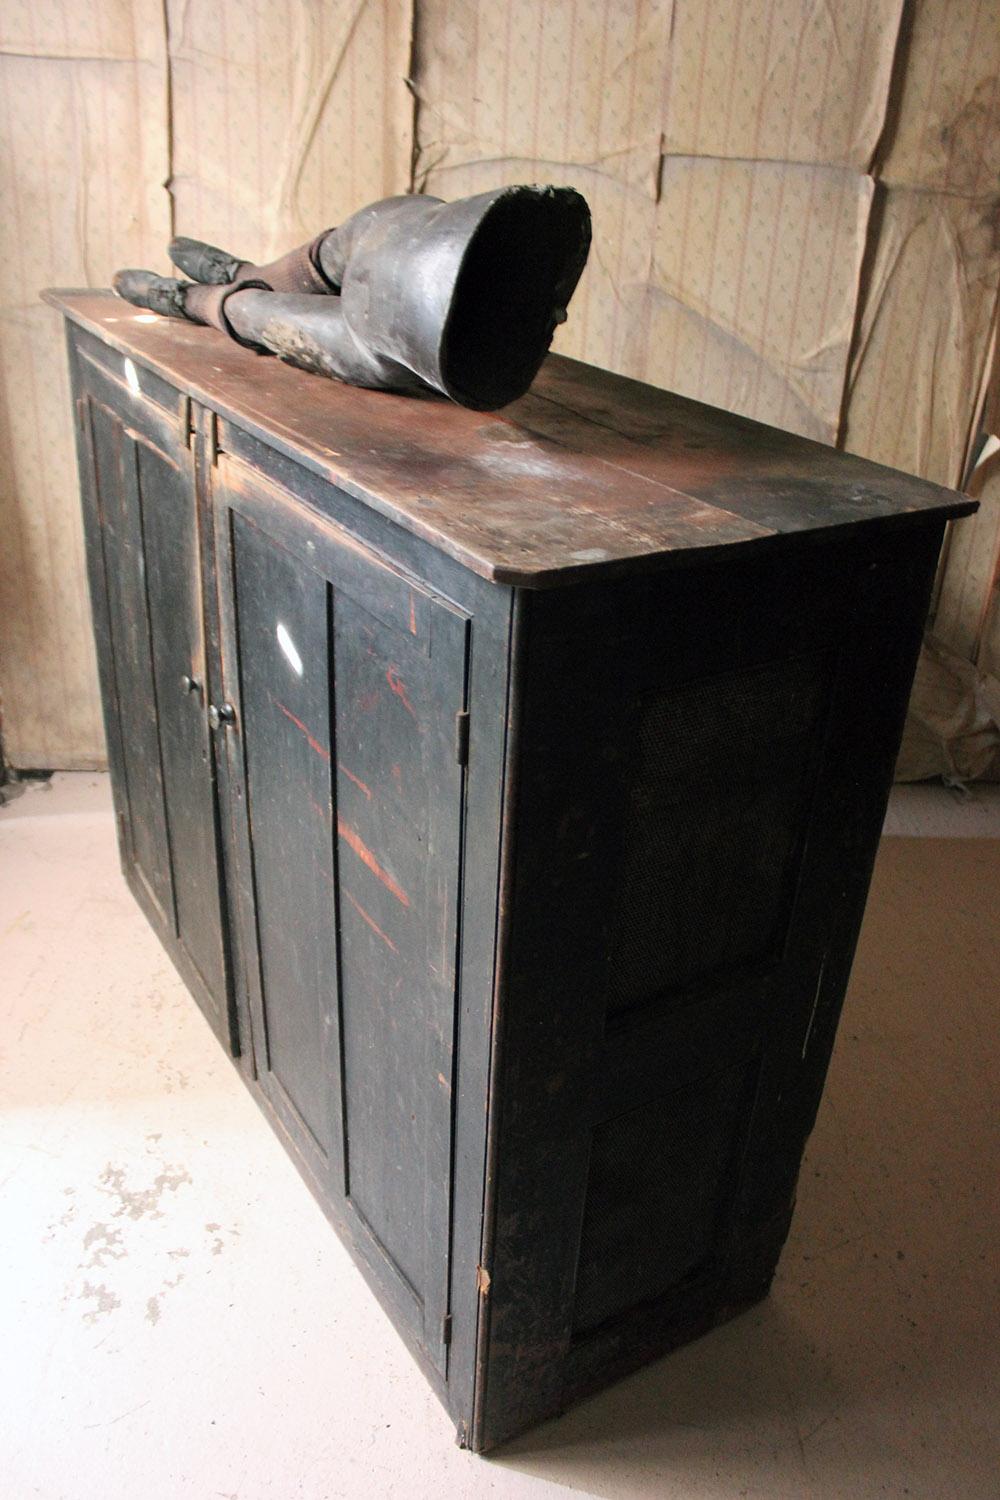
462	736
212	438
185	420
446	1330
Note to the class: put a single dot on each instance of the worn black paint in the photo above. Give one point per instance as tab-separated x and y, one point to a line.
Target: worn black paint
144	560
554	1151
353	800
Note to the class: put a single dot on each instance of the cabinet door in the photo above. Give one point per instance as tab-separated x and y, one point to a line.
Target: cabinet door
145	576
346	678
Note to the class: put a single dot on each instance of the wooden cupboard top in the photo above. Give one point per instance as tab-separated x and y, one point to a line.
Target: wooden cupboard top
588	474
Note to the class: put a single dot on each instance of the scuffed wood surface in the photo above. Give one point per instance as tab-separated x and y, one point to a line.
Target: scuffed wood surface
588	473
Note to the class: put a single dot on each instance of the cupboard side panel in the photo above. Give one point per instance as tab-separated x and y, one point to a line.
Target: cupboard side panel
730	1055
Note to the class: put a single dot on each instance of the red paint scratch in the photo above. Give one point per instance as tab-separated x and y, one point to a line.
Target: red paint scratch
398	686
371	922
319	809
413	617
311	739
397	776
356	779
361	849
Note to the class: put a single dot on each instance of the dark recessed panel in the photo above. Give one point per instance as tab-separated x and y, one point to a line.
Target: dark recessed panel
721	782
119	499
660	1180
285	692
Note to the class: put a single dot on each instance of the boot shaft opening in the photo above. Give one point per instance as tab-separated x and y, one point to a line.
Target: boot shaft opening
521	267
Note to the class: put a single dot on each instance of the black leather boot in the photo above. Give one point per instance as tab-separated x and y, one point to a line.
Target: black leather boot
463	297
298	271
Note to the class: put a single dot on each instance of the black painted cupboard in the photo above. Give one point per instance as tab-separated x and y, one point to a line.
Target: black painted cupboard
505	787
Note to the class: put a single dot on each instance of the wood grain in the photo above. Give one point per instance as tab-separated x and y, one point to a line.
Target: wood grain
588	474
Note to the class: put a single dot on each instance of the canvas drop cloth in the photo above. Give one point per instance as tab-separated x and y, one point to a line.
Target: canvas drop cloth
795	207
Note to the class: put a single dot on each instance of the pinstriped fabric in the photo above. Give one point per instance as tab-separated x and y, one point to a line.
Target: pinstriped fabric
287	116
83	152
925	327
726	152
273	120
723	150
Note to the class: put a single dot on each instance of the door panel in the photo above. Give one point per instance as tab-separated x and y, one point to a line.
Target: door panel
347	677
149	538
286	715
398	806
118	498
172	587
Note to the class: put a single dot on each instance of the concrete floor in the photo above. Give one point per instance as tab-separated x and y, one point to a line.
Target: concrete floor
176	1318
